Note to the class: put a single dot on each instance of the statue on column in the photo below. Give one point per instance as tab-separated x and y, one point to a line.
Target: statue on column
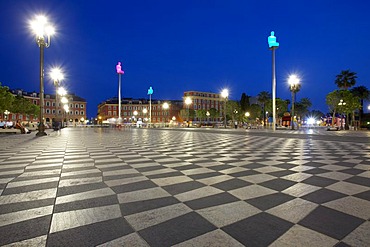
119	68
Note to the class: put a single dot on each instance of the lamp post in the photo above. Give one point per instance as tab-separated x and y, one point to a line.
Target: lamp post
119	72
341	105
57	75
188	101
6	112
150	92
294	88
273	45
145	111
64	101
165	106
42	31
208	114
225	95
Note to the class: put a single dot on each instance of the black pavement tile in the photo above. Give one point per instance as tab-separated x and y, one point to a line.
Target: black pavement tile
269	201
149	168
140	185
175	189
278	184
281	173
20	206
253	166
363	195
88	175
91	235
115	168
165	175
341	244
319	181
244	173
67	190
231	184
176	230
359	180
323	195
211	201
259	230
220	167
331	222
314	164
286	165
141	206
352	171
316	171
87	203
121	176
346	164
24	230
28	188
205	175
185	167
27	178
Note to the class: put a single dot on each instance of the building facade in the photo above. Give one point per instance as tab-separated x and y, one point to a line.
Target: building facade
205	101
134	109
53	108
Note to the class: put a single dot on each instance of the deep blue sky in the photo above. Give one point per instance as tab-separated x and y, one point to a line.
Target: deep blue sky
175	46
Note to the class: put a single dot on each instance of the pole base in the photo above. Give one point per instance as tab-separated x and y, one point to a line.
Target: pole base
41	133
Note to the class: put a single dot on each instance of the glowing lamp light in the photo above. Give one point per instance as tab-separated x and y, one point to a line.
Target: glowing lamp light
188	101
62	91
311	121
40	27
225	93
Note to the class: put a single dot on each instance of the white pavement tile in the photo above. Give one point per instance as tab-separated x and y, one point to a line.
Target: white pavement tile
29	196
131	240
347	188
171	180
251	191
294	210
360	236
38	241
141	195
300	189
302	236
15	217
71	219
198	193
32	182
226	214
153	217
351	205
85	195
79	181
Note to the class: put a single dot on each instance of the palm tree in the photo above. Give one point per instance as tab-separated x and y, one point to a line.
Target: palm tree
264	97
363	93
346	79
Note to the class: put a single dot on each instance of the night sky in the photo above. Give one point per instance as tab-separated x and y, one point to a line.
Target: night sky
176	46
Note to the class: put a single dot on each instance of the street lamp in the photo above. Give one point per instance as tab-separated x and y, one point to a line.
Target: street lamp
6	112
165	107
65	107
225	95
294	88
57	75
188	101
150	92
273	45
208	114
341	104
42	30
119	72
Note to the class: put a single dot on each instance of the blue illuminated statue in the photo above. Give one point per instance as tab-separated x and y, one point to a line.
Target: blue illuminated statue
272	41
150	91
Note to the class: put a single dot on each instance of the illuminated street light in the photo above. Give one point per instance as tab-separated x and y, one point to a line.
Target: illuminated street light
273	45
247	114
42	31
208	114
225	95
165	106
188	101
294	88
119	72
341	105
57	75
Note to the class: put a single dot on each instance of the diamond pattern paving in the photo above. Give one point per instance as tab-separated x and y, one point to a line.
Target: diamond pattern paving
185	187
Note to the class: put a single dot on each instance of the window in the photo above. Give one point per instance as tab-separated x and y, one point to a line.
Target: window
82	113
53	111
109	113
76	112
77	105
109	107
114	113
47	103
35	102
48	111
82	106
53	104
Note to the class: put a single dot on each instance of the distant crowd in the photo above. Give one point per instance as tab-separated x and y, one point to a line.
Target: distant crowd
14	125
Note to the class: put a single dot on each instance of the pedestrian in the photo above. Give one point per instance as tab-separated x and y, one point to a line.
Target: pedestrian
236	124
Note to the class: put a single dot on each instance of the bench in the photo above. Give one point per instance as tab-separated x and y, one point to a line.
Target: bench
10	131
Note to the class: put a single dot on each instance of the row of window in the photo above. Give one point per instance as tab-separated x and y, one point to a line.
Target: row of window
206	101
47	103
139	108
131	113
48	111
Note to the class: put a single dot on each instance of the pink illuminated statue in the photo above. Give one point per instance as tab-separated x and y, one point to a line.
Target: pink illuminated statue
119	68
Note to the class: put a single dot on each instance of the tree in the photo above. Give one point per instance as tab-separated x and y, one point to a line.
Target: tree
6	98
332	100
363	94
346	79
232	109
264	97
244	102
213	113
302	107
201	114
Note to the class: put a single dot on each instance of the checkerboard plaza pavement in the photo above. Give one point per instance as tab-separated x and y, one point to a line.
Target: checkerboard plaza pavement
147	187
